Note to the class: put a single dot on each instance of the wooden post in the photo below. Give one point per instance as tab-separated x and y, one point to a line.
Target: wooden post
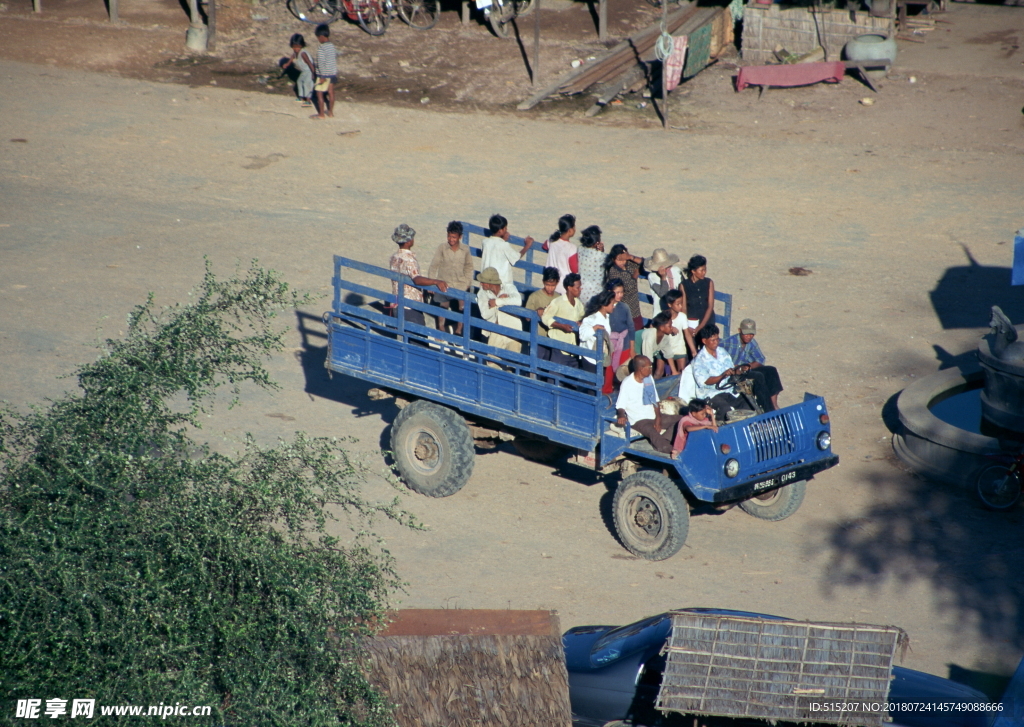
602	20
664	64
465	12
112	10
211	24
536	42
37	6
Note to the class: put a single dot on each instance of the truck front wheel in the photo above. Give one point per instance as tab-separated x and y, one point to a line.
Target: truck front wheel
651	516
433	449
778	504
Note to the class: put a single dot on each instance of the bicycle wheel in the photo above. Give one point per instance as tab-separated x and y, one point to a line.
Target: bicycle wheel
998	487
523	7
420	14
372	17
500	15
315	11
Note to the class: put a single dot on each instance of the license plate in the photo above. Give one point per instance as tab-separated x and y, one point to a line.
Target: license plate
781	480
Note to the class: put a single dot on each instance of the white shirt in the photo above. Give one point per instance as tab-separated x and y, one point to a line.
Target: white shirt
500	255
559	253
588	336
706	366
675	275
495	314
631	401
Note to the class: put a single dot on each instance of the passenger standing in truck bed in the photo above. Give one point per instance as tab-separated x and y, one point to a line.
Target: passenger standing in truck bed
453	264
404	261
569	307
538	302
621	265
497	253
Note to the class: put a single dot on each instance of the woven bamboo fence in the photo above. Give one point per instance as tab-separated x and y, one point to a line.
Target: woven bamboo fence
460	668
802	29
736	666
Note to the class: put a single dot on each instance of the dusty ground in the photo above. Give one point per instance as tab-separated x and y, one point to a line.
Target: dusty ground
904	211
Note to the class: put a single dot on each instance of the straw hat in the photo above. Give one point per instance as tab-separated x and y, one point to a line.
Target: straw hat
659	259
489	276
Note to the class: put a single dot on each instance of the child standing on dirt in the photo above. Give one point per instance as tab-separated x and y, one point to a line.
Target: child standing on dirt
303	63
326	72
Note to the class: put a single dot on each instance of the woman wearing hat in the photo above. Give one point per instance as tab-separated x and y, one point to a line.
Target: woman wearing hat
404	261
663	272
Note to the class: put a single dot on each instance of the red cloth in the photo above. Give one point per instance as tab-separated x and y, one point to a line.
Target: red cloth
674	63
797	74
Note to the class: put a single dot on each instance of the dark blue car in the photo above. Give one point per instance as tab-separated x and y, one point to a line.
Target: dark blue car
615	673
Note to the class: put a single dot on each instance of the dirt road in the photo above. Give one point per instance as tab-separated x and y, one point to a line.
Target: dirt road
113	187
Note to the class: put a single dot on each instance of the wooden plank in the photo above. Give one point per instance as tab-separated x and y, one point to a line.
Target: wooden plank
628	79
643	51
624	48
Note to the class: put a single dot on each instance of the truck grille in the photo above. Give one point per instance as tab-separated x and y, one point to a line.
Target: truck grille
773	437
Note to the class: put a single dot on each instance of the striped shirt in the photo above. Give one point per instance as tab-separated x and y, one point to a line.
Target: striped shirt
326	60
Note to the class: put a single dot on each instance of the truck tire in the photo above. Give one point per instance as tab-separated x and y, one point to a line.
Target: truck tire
433	449
651	516
778	504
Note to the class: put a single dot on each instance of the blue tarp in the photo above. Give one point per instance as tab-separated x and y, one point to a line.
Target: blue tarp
1012	714
1018	259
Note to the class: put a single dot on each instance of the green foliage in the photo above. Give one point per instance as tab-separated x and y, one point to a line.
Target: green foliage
139	567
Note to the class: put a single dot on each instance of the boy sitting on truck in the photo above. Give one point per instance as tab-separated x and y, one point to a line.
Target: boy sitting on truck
637	403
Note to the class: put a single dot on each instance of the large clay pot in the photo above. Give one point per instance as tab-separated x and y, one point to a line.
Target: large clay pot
871	47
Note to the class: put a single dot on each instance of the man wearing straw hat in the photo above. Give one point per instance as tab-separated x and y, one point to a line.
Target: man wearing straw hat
663	272
489	300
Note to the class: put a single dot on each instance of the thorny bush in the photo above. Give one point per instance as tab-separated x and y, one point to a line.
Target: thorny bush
139	567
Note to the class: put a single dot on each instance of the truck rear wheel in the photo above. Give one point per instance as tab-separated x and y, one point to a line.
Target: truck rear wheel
778	504
651	516
433	449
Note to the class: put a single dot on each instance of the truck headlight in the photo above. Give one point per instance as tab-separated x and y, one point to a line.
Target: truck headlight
732	468
824	440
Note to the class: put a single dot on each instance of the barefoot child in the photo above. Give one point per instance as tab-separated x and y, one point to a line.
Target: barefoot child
700	416
326	72
303	63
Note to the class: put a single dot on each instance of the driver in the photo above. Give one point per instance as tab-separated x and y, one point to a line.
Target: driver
746	353
712	367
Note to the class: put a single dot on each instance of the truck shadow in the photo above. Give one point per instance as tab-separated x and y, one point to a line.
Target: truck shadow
312	357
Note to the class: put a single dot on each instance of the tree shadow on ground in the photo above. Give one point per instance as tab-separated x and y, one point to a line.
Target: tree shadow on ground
923	531
964	296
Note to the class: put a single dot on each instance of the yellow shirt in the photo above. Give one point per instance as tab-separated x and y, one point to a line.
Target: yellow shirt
560	308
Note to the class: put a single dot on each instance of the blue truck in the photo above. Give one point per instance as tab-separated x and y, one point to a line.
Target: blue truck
456	390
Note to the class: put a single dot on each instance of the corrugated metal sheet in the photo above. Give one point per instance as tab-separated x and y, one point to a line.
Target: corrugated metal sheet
738	666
